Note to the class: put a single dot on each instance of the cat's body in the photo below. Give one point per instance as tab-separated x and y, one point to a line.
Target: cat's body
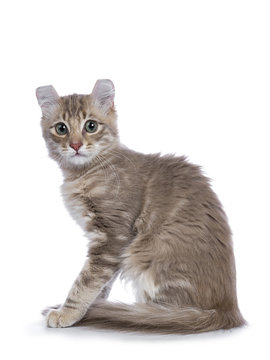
155	220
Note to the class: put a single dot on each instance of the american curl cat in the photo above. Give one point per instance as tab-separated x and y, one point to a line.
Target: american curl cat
153	219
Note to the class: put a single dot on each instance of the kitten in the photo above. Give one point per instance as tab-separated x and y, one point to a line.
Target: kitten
154	220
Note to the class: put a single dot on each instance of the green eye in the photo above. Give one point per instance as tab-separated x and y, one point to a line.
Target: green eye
91	126
61	129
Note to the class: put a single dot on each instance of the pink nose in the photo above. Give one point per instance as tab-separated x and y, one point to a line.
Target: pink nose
76	146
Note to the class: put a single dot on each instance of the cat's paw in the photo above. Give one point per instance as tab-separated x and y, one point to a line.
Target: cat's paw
48	309
62	318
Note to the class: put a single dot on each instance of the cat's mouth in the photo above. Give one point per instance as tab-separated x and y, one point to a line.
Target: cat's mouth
77	154
78	158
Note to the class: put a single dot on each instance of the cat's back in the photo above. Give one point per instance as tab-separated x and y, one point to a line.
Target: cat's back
177	192
174	177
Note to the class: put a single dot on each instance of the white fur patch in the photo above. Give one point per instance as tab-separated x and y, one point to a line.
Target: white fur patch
96	236
184	284
82	157
74	206
145	284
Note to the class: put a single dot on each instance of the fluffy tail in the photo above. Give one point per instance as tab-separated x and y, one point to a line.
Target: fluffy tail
159	319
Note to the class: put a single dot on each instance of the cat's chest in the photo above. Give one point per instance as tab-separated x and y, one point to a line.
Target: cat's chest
77	199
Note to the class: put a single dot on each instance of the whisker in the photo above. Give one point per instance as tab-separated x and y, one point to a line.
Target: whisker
103	168
117	153
112	167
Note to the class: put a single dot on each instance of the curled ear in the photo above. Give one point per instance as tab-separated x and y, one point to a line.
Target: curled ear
47	98
103	95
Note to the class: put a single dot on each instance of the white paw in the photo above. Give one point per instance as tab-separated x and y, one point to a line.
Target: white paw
50	308
61	318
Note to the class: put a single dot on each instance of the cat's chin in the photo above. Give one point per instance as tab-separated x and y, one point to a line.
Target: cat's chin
78	160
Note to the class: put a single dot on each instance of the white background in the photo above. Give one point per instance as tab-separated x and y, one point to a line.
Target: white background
191	77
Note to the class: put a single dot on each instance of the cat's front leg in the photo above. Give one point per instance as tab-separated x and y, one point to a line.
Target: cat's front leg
90	282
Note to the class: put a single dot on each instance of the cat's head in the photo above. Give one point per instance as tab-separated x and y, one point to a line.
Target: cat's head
77	128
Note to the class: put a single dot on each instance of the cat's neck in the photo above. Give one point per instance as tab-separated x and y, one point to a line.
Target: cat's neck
102	160
71	174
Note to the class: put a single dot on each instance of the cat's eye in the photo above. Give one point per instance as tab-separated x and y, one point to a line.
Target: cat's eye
61	129
91	126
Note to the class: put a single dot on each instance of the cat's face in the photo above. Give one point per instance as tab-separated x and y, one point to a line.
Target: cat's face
77	128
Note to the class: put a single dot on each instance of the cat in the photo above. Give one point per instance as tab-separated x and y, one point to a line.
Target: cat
153	219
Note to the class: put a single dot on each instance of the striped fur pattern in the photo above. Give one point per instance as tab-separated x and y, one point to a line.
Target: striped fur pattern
154	220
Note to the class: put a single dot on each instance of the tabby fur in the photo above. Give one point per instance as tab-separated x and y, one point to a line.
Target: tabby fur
153	219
